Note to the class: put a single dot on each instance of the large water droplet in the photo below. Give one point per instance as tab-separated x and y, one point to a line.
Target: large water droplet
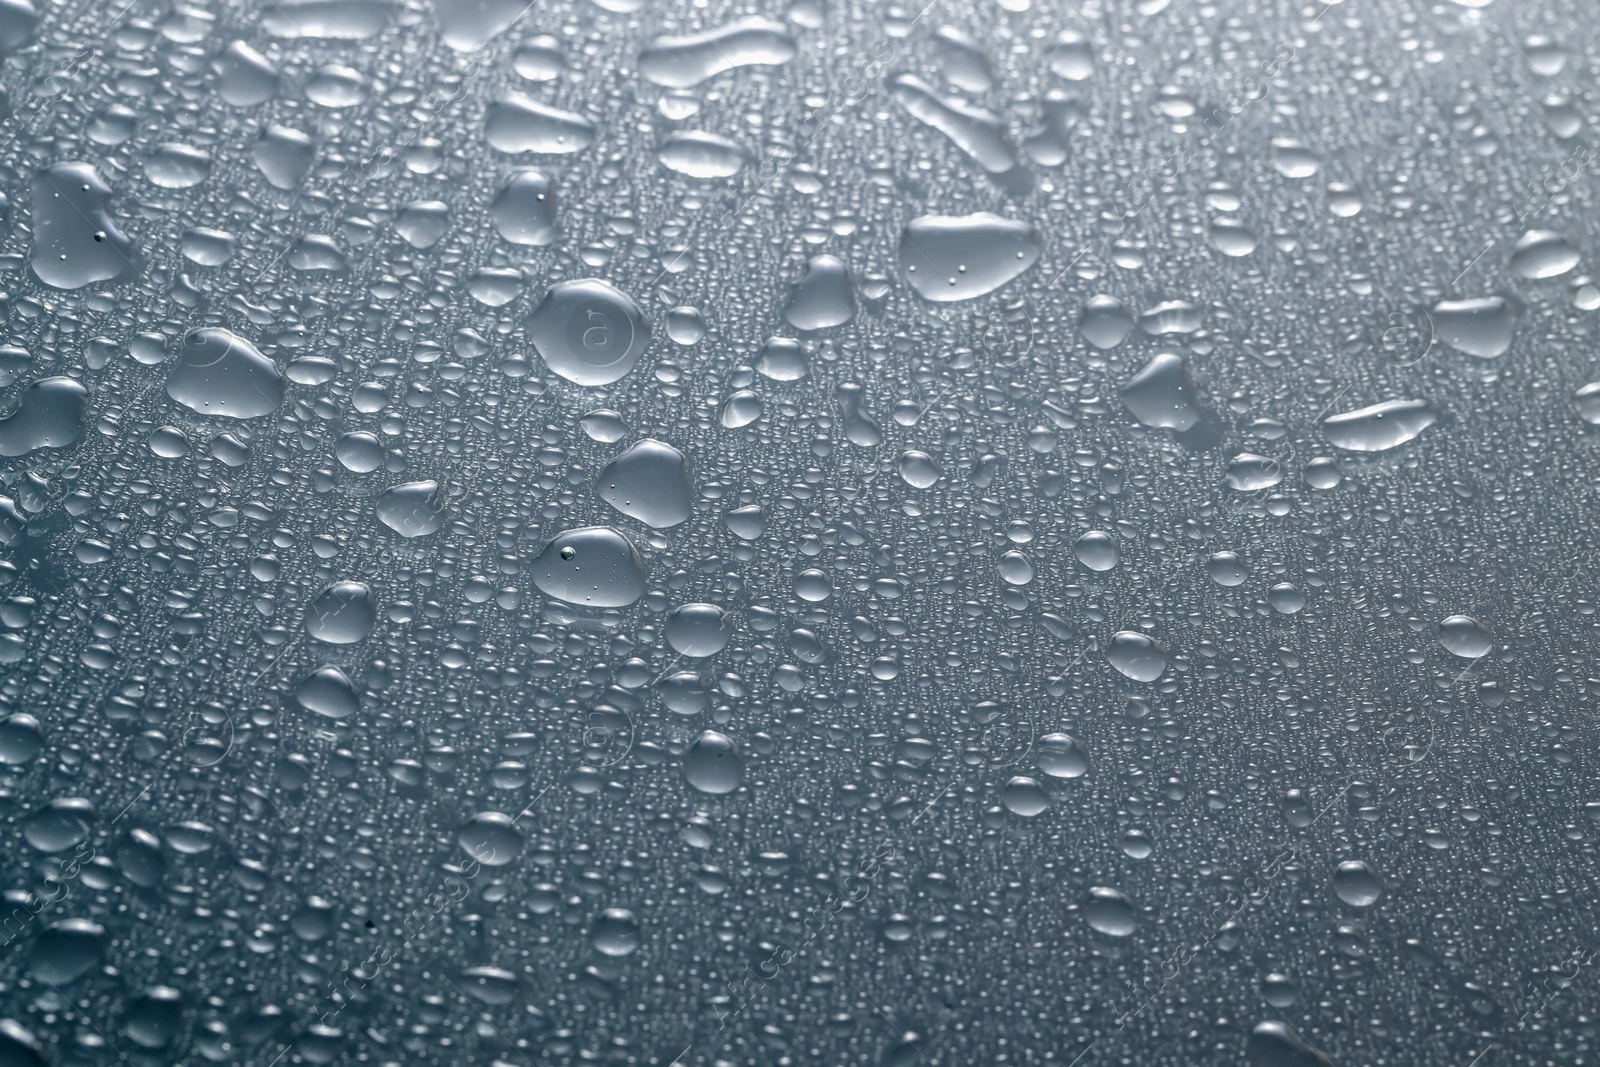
589	332
518	123
342	614
1482	326
18	18
1465	636
824	296
616	932
918	469
1096	550
1060	756
958	257
1543	254
1227	569
1110	912
21	739
67	951
713	764
698	630
59	825
1293	159
75	242
1161	395
650	482
978	133
220	373
701	155
491	838
1380	426
283	155
524	210
411	509
176	166
682	62
1357	884
1248	472
245	77
1136	655
1024	797
329	692
1277	1044
18	1046
593	566
1072	57
333	20
467	25
1105	322
1588	400
49	414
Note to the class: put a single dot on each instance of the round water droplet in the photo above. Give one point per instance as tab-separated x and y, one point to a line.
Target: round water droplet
1232	237
490	838
1096	550
604	425
1278	990
1285	598
1025	797
1060	756
540	60
918	470
342	614
1136	844
1105	322
1357	884
1227	569
686	325
1016	568
589	332
328	691
698	630
713	764
1588	401
616	933
1110	912
1465	636
1136	655
59	825
1293	159
524	210
21	739
741	409
359	452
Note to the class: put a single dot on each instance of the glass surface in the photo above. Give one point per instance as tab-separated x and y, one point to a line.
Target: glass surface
813	532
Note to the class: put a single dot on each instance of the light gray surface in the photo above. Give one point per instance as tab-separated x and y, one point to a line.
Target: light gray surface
630	533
